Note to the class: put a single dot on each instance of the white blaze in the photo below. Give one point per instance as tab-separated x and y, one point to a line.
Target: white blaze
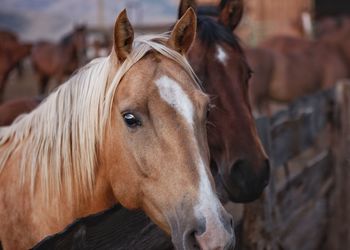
221	55
172	93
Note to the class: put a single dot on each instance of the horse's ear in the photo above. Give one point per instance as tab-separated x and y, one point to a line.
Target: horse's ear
184	5
231	12
184	32
123	36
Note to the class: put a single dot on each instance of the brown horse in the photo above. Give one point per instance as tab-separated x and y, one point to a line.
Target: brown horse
238	161
10	110
129	128
7	38
12	51
59	60
300	68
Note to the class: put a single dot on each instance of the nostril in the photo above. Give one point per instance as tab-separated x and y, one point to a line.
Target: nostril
193	240
238	174
248	179
236	168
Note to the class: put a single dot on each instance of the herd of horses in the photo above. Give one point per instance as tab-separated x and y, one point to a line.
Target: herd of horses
163	125
288	67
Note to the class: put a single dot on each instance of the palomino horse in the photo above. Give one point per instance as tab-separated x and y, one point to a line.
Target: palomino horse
300	68
129	129
231	128
12	51
239	185
59	60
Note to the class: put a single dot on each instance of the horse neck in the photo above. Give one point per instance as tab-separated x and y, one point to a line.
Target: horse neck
101	198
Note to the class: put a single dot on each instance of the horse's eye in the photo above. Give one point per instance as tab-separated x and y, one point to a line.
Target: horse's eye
131	120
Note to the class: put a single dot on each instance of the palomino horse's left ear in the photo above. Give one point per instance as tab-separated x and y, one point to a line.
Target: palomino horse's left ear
123	36
184	5
184	32
231	12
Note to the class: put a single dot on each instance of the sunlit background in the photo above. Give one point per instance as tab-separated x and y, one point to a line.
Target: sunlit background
50	19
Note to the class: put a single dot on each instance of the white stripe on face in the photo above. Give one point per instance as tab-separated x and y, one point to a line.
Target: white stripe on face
221	55
208	202
172	93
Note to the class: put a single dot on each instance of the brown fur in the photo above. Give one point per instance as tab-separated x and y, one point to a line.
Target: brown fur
300	68
10	110
231	13
58	61
262	63
238	161
125	32
338	37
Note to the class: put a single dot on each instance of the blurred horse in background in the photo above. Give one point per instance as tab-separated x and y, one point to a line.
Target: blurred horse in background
60	60
262	63
301	67
336	33
12	52
10	110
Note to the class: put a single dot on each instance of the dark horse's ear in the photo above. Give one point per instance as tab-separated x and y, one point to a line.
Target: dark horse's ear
184	5
184	32
231	12
123	36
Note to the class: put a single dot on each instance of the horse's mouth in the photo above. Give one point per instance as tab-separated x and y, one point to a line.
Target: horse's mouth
227	192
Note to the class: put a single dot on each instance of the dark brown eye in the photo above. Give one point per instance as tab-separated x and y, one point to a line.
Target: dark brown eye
131	120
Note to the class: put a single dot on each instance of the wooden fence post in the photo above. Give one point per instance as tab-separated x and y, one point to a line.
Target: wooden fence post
259	217
339	224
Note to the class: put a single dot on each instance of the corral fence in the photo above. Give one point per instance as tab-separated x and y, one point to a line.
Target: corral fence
305	206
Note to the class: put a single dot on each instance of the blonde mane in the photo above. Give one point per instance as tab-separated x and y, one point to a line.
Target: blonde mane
58	141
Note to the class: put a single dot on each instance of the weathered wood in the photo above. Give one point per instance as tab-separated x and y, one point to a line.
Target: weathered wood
339	229
295	129
299	216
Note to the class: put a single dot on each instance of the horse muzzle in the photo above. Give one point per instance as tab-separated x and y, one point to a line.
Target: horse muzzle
242	184
207	232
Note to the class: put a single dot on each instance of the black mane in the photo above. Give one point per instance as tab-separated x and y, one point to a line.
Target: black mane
210	32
